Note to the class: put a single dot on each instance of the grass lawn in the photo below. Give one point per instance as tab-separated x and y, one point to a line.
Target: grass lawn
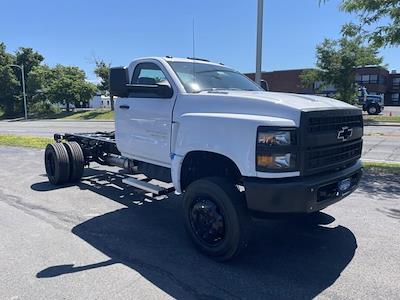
99	114
382	167
378	118
90	115
24	141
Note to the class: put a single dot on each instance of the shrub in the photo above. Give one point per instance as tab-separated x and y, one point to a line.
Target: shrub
43	108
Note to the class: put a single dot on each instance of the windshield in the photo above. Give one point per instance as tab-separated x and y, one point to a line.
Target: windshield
197	77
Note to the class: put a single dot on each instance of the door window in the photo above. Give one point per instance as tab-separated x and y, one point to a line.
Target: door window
148	73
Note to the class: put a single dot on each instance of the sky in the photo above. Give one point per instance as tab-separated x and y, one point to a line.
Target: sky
76	32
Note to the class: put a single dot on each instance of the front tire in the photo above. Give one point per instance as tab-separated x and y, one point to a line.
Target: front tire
373	110
216	217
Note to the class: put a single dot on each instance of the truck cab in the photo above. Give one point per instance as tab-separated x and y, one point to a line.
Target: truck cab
234	150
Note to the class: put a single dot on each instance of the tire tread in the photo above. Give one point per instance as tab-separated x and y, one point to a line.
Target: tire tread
61	163
77	161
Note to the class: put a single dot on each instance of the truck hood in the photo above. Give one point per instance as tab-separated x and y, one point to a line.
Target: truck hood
255	105
296	101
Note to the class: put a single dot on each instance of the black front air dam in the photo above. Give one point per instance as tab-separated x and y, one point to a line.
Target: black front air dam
299	194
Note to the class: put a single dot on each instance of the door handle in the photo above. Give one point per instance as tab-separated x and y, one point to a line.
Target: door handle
124	106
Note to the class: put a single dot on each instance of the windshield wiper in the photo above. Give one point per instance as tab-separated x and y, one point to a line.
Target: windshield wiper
219	89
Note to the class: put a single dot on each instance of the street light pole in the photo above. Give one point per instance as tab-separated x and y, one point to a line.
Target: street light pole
21	67
260	11
23	92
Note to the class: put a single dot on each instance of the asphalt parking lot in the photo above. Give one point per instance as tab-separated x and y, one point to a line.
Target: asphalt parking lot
101	240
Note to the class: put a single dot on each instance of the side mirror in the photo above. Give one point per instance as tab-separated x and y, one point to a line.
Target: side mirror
119	79
164	90
264	85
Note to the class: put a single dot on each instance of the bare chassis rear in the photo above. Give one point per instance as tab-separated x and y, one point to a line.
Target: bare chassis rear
96	147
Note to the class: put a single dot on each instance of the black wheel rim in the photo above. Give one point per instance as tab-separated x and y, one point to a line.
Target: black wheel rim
207	221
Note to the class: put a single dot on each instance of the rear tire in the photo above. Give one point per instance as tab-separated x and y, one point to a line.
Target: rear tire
77	161
56	162
216	217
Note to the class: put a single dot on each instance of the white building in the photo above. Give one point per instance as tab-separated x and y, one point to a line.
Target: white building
100	101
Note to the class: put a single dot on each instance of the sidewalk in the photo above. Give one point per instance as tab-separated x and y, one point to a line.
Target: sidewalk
381	143
53	120
391	124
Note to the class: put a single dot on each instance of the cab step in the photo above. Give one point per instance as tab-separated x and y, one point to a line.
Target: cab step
148	187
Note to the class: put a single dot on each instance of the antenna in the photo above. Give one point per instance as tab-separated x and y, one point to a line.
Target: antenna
193	38
193	47
260	11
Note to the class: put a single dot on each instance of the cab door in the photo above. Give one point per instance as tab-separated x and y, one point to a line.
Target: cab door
143	120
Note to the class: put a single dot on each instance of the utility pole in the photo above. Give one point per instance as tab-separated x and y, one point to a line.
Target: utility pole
21	67
260	11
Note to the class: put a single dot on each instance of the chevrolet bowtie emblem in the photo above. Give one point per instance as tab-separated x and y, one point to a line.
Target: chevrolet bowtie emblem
345	133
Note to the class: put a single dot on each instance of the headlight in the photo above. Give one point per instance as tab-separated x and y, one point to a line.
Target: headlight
276	149
281	138
276	162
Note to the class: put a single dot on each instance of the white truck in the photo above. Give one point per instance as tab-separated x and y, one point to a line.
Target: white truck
232	149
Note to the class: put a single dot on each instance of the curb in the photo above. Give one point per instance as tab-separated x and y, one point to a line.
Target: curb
69	120
54	120
380	161
382	124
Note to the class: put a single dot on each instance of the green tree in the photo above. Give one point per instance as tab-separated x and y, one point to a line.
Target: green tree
38	84
30	59
102	71
336	63
63	84
378	20
67	85
9	85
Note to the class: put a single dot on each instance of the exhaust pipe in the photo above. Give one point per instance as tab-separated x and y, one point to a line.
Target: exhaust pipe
118	161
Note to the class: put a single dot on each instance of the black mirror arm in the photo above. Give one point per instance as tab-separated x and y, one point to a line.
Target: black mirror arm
264	85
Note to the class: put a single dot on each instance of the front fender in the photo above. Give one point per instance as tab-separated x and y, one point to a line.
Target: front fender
231	135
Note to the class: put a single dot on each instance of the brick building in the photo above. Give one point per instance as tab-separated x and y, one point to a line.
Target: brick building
377	80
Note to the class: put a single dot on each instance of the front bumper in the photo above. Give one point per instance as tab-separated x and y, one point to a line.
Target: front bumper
300	194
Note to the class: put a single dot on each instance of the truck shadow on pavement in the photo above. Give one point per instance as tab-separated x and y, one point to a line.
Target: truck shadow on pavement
285	259
384	188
